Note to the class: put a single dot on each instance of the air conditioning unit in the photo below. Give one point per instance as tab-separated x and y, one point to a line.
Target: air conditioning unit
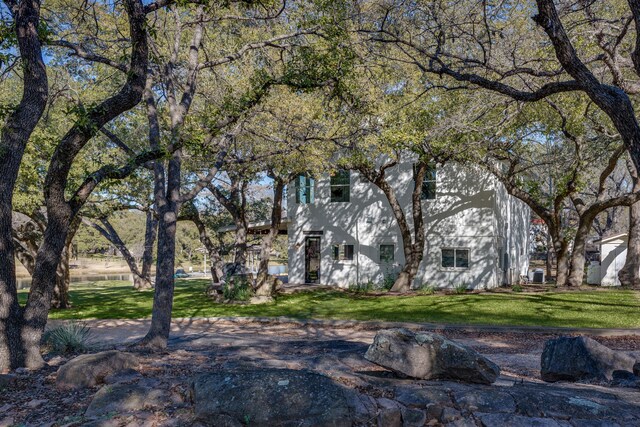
538	276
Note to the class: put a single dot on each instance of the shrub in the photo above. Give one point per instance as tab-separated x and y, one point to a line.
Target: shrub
460	288
390	277
516	288
72	337
237	289
427	288
362	287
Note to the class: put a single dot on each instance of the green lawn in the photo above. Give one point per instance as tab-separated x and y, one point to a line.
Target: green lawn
590	308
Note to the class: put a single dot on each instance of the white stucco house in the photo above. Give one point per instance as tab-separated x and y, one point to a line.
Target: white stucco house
342	231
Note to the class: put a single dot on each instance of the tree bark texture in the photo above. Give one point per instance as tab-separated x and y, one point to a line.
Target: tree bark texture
216	263
24	347
158	334
412	242
264	283
413	245
15	134
60	298
235	202
629	275
578	258
150	234
140	279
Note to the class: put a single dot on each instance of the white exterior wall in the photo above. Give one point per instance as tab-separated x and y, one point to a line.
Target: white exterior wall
613	255
471	210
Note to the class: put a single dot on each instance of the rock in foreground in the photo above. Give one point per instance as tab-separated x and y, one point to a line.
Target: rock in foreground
430	356
121	398
90	369
270	397
580	359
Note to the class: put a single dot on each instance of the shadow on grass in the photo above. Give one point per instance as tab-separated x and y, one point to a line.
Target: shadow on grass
605	309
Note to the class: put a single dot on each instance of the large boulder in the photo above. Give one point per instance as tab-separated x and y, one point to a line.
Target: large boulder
427	355
90	369
580	359
271	397
121	398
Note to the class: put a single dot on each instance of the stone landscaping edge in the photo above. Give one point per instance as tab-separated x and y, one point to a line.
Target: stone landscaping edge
374	325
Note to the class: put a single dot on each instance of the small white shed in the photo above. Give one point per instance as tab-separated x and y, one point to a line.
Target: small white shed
613	253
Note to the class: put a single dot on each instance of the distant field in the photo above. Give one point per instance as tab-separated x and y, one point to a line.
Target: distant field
590	308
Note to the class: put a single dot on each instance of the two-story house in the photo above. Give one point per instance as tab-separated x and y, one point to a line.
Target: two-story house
342	230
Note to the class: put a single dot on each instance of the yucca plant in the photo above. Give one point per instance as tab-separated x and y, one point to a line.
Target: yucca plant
72	337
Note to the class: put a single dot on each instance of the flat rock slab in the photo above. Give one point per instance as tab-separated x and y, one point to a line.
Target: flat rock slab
8	381
90	370
121	398
581	358
426	355
527	404
507	420
271	397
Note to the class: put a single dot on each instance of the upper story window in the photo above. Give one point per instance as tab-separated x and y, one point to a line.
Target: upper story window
428	183
340	186
305	189
455	258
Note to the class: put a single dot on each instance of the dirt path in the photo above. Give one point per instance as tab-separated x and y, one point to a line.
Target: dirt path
517	353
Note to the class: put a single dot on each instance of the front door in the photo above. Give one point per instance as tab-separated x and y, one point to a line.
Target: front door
312	260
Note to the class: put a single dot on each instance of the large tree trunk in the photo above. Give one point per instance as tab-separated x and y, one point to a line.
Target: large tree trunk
412	245
150	233
629	275
60	212
236	204
167	206
549	260
561	248
15	133
59	217
60	298
264	286
158	333
217	273
240	244
217	267
413	248
578	258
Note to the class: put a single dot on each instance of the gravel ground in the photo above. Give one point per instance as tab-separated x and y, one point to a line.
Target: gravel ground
203	345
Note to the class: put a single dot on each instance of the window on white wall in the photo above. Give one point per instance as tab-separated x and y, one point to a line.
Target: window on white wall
340	186
305	189
455	258
343	252
387	253
428	183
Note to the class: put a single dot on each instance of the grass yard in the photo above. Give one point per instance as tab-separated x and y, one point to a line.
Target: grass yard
589	308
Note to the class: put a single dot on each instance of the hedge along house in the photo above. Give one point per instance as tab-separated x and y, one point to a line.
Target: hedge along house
342	230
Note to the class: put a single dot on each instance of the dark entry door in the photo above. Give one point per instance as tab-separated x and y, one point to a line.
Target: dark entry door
312	260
